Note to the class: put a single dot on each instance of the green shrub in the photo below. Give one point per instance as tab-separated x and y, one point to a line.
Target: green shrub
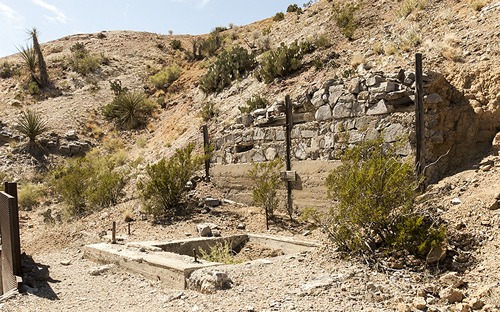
220	252
267	181
213	43
176	44
253	103
165	184
294	8
374	192
230	65
116	87
129	110
345	19
82	61
408	6
280	62
164	78
279	17
208	111
89	183
6	70
29	196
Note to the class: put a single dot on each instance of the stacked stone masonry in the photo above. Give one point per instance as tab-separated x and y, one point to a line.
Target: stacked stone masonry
330	119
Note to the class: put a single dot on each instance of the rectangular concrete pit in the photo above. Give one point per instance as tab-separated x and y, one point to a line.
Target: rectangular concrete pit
172	262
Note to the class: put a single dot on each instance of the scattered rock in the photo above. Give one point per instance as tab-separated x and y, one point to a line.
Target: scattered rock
419	303
318	283
456	201
452	279
65	262
451	295
100	270
209	281
476	303
241	226
212	202
205	229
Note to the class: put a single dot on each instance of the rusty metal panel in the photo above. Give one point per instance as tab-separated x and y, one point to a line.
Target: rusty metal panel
7	205
11	189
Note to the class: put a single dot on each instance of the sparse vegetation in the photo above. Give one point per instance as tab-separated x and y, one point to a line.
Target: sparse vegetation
116	87
267	181
230	65
208	111
279	17
408	6
82	61
29	60
6	70
165	77
374	194
220	252
344	15
478	5
253	103
89	183
176	44
129	110
165	184
294	8
42	67
29	196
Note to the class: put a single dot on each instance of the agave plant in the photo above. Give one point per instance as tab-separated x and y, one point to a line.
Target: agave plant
129	109
31	125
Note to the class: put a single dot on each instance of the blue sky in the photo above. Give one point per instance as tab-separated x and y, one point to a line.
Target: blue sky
55	19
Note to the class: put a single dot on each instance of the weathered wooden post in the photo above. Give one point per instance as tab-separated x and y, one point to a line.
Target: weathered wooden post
206	147
419	119
289	125
113	233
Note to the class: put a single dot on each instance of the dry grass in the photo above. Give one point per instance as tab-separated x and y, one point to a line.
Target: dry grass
477	5
409	6
390	48
450	49
357	58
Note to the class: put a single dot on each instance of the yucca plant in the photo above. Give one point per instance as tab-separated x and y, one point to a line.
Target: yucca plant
31	124
42	67
28	55
129	109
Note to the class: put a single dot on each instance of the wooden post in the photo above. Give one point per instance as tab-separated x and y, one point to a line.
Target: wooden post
11	189
289	125
419	119
206	146
113	233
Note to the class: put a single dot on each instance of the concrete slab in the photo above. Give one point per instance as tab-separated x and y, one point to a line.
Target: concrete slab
172	262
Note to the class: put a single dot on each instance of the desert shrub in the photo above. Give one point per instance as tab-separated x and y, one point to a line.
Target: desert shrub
294	8
230	65
214	42
82	61
280	62
89	183
221	252
176	44
6	70
164	78
208	111
345	19
478	4
29	196
116	87
267	181
408	6
253	103
165	183
279	17
374	192
129	110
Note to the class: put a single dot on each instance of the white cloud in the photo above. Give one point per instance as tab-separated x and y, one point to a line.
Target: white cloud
59	14
13	17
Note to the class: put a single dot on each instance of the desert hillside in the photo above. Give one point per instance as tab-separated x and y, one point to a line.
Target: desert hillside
460	44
